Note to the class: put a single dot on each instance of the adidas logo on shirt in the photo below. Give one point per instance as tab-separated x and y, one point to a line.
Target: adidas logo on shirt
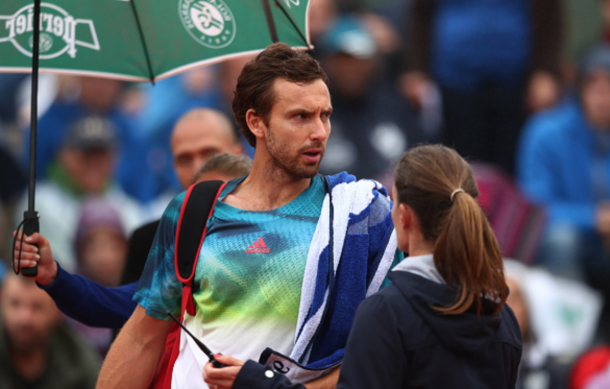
257	247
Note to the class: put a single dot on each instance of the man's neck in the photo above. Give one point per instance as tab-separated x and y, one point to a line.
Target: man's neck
267	187
29	364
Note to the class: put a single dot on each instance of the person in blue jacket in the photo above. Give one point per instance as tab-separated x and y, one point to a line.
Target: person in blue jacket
564	165
493	61
443	322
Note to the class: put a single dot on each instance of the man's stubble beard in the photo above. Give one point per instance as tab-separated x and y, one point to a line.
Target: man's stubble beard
282	163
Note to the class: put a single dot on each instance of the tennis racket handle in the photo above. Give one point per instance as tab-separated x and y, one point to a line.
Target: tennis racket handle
30	226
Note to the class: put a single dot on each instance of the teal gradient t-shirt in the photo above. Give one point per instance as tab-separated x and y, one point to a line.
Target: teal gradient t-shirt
247	284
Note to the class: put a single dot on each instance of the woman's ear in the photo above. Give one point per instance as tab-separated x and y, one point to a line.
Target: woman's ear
255	123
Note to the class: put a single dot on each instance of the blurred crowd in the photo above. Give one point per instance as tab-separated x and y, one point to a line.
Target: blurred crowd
521	88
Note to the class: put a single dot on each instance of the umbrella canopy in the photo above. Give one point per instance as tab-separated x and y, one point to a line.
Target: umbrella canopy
144	40
135	40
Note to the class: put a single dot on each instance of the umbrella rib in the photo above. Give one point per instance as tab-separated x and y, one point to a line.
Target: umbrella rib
294	24
148	64
270	21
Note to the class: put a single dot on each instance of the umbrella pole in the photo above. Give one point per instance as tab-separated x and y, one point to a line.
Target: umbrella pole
30	217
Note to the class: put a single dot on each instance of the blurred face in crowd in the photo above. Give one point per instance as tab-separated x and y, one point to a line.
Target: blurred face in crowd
99	94
298	127
102	255
595	94
320	17
350	76
29	314
517	302
197	137
89	169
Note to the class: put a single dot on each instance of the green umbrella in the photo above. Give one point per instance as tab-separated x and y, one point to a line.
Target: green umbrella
144	40
135	40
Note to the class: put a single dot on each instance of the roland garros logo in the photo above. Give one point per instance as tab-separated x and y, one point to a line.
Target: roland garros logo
57	31
209	22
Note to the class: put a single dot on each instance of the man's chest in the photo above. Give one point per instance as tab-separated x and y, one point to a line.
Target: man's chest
253	269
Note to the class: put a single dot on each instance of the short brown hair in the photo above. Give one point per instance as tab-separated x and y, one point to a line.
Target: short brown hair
226	164
440	188
255	83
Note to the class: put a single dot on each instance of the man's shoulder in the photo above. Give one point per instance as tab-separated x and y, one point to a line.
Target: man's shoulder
176	204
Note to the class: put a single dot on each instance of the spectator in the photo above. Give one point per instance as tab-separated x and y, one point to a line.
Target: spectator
563	165
101	248
198	135
36	351
224	167
165	103
490	59
99	97
84	166
372	124
101	244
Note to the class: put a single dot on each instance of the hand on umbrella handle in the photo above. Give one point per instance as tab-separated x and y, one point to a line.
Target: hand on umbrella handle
35	250
30	226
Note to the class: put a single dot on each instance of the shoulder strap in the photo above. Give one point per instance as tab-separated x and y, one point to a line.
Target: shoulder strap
197	208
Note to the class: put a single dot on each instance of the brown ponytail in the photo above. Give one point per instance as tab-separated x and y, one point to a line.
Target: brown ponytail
466	251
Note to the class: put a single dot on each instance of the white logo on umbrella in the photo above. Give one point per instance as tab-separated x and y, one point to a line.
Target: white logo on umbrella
295	2
209	22
57	31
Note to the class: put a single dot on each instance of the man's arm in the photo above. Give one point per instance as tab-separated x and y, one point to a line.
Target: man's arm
133	358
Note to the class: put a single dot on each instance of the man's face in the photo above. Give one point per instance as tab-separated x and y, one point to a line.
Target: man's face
299	126
194	142
90	170
29	314
595	93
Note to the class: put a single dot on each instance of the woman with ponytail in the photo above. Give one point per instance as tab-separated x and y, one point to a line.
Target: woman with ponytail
443	322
